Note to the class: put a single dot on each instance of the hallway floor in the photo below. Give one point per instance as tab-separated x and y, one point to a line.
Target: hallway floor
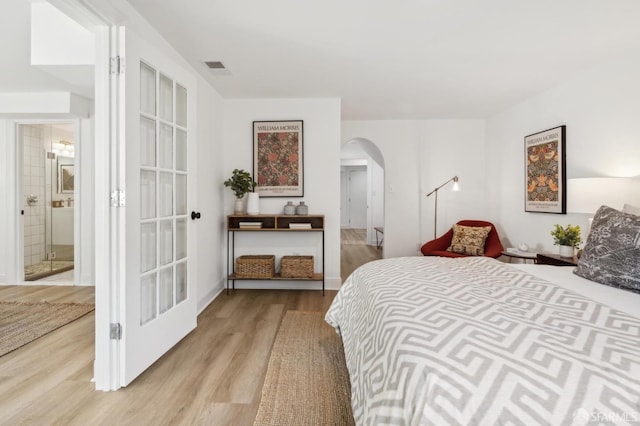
354	251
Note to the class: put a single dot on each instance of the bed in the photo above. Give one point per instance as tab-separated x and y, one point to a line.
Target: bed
467	341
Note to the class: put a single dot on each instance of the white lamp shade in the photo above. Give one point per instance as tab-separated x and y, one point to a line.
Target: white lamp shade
586	195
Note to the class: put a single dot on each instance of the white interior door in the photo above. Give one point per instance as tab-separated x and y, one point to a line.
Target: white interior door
358	199
344	200
157	298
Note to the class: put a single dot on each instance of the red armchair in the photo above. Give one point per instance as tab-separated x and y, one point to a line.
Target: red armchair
438	247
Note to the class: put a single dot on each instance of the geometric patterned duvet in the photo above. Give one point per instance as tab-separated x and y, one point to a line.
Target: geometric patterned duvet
473	341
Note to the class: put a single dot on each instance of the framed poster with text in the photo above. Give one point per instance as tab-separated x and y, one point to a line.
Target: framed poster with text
545	177
277	158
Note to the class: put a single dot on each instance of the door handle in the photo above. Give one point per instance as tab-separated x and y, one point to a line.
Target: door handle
195	215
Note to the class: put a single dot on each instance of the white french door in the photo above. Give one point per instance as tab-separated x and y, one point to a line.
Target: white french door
157	116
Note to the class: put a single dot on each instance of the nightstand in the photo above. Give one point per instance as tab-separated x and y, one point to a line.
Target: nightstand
556	260
517	254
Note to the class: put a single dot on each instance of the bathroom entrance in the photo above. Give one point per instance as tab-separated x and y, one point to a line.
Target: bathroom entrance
49	195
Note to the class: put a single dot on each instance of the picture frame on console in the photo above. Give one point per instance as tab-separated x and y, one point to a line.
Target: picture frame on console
545	176
278	165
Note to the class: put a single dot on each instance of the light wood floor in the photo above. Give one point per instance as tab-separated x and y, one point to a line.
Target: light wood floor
214	376
354	251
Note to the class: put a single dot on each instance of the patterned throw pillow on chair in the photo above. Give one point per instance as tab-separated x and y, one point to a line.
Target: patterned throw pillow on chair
469	240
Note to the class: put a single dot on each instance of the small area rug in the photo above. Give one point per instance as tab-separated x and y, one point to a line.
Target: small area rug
307	381
24	322
46	268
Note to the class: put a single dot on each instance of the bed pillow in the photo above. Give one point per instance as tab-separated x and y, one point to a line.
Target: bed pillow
628	208
612	253
469	240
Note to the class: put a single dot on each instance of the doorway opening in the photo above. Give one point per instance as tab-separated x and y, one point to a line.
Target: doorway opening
48	200
361	205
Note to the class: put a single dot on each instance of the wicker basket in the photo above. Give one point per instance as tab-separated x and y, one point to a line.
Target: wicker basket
296	267
255	266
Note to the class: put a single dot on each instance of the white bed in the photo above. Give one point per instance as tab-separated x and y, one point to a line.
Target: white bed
469	341
563	276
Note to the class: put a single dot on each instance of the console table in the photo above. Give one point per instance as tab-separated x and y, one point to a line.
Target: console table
271	223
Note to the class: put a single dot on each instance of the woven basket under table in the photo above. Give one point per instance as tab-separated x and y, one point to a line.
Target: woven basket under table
296	267
255	266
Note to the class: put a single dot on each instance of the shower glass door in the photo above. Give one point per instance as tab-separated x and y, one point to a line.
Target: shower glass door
48	187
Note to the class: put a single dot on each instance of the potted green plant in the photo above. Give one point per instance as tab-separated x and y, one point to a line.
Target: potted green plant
568	238
240	183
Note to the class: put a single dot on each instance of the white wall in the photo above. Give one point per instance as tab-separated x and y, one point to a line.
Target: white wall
601	109
321	152
211	244
418	156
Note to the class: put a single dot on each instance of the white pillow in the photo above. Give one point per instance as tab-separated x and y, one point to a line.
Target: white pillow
628	208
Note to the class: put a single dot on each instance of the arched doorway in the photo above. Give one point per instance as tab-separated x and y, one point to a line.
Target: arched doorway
361	204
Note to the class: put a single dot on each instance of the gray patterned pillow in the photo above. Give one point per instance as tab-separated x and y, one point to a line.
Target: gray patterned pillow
612	253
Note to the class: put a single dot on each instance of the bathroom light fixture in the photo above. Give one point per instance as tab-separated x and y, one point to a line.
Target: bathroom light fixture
67	149
456	187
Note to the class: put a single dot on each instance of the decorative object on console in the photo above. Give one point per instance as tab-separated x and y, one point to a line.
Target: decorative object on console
296	267
255	266
302	209
456	187
568	238
438	247
253	203
612	253
241	183
277	158
545	176
289	208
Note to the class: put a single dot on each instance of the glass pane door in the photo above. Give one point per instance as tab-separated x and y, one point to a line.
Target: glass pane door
48	188
163	193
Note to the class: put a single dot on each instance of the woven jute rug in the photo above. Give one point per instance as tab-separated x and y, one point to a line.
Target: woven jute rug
307	381
24	322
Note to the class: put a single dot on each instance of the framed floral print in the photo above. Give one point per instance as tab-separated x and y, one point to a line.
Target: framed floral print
545	177
277	158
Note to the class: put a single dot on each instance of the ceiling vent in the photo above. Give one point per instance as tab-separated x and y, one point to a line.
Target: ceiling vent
217	68
215	65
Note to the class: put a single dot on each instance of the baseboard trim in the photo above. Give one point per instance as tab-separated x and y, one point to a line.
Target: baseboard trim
205	301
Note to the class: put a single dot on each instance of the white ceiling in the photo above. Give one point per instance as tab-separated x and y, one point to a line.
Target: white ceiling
16	73
407	59
397	59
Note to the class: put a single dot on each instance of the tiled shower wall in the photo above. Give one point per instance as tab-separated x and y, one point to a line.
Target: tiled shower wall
34	184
